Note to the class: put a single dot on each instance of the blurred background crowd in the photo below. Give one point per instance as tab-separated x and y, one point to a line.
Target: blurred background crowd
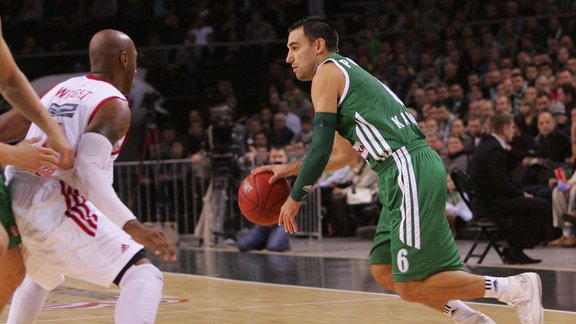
219	75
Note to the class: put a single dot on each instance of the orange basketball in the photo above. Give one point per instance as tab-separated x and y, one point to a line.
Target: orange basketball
259	201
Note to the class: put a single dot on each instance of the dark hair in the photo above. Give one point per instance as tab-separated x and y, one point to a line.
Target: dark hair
277	148
569	90
500	120
317	27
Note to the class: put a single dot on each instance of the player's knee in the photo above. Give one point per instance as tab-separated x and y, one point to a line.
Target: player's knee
13	274
383	276
151	274
3	242
18	274
409	291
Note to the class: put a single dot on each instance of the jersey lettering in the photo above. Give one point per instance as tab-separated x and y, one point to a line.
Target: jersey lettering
397	122
346	61
75	93
406	117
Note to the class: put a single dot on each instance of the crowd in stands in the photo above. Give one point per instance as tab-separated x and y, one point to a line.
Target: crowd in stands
455	65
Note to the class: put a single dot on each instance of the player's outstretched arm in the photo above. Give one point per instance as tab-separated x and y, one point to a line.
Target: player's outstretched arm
16	89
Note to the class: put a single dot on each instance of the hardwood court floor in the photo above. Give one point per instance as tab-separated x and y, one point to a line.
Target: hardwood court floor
198	299
311	284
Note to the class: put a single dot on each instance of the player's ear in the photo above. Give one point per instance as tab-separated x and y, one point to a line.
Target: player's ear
320	44
124	58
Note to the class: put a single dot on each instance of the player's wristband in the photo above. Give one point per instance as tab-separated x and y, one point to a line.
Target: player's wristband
318	155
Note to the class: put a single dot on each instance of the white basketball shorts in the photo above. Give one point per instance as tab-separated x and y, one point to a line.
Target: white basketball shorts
64	235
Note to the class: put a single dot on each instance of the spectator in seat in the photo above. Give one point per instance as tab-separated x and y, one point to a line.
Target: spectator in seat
458	155
455	207
525	217
563	198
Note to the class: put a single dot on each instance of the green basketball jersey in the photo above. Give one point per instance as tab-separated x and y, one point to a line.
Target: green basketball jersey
370	116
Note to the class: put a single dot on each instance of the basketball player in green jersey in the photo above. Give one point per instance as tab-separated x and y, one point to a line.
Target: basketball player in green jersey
414	253
17	91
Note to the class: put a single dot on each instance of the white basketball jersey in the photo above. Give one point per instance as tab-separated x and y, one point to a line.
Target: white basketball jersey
73	103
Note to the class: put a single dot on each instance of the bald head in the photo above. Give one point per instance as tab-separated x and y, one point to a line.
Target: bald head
113	57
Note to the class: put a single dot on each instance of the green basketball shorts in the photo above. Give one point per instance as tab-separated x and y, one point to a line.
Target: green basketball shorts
6	216
412	233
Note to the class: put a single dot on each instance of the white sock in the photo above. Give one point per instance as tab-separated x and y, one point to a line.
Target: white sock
567	231
140	294
458	311
27	303
495	287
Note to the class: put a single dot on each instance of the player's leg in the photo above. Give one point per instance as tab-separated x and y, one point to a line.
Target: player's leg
11	264
141	282
27	303
12	273
3	241
382	271
426	262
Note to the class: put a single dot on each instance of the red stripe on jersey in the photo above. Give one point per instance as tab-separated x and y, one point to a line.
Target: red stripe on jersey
81	225
83	212
77	210
93	77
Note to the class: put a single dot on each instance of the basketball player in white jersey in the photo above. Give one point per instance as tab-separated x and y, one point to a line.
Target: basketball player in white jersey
17	91
73	228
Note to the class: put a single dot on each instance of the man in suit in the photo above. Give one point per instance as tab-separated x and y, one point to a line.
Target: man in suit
526	215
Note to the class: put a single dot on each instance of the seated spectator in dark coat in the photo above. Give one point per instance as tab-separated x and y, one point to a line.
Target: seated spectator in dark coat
526	216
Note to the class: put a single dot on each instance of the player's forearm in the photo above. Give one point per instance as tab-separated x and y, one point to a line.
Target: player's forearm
22	97
90	177
6	154
342	155
317	156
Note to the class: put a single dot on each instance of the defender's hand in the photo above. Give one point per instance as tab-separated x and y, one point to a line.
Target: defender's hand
61	145
25	155
151	238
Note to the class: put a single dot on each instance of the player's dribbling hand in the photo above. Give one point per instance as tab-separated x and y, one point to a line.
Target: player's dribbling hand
279	170
288	215
152	238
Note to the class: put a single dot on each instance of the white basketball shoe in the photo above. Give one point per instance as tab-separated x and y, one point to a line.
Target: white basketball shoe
525	294
477	318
